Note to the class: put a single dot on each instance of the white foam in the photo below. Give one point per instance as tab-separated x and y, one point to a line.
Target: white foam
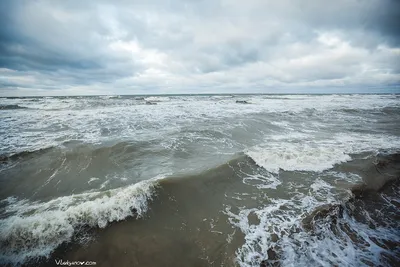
93	179
352	178
296	156
221	96
276	221
262	181
358	143
70	118
109	96
280	227
157	98
327	248
304	152
319	185
37	228
258	237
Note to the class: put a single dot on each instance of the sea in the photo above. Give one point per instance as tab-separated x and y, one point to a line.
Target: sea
200	180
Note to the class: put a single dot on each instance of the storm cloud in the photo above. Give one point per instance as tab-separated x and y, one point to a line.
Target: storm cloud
198	46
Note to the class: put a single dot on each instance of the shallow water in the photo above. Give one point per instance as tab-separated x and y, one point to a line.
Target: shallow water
199	180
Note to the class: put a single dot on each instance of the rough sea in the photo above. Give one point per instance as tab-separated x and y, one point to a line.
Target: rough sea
200	180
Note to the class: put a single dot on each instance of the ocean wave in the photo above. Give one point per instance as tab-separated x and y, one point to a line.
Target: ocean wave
157	99
390	110
23	154
383	169
221	96
302	152
74	149
297	157
36	229
7	107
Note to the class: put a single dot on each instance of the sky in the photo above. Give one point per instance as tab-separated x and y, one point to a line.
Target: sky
72	47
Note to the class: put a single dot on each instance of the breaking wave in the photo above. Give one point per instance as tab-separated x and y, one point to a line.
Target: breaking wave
296	152
36	229
297	156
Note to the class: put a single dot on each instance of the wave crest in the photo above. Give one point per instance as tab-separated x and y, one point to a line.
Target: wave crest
36	229
297	157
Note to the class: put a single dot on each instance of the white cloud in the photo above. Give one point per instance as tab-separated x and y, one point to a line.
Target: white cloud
130	47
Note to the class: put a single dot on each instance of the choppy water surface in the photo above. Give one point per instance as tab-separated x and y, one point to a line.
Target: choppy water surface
290	180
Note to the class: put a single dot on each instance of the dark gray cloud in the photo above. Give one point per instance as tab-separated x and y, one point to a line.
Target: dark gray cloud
85	47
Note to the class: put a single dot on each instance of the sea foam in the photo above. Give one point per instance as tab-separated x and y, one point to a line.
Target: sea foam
297	156
303	152
157	98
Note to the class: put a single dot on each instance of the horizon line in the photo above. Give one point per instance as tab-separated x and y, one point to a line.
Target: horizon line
203	94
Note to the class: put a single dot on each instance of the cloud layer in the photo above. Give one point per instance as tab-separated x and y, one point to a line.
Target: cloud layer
198	46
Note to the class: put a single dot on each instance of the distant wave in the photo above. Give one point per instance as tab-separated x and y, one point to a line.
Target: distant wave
23	154
351	110
157	99
391	110
5	107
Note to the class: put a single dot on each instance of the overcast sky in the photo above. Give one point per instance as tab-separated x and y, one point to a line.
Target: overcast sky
198	46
